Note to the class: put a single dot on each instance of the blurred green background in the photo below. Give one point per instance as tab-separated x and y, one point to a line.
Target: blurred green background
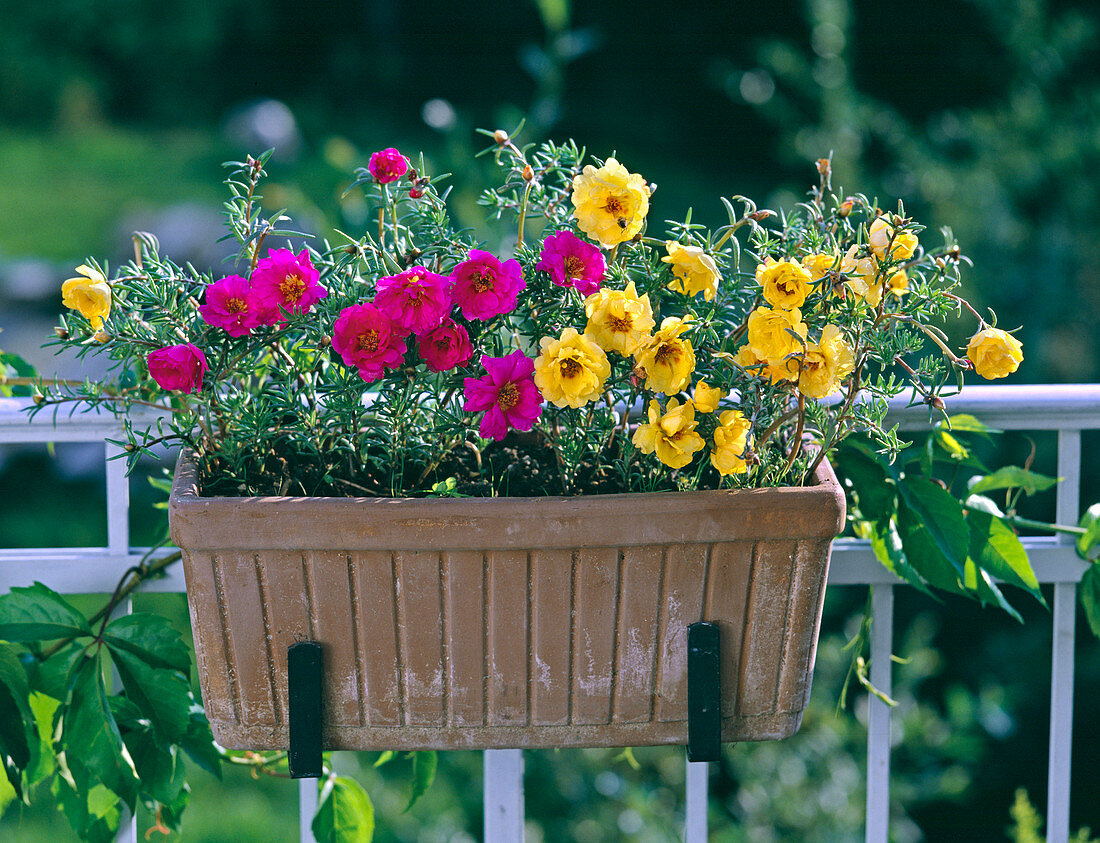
982	115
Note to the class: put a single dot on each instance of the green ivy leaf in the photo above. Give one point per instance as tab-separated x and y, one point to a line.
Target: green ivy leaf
875	493
1088	544
887	545
18	731
966	423
160	767
90	736
44	708
51	676
1089	589
994	547
939	517
35	613
1013	477
924	554
345	813
151	638
384	757
198	742
92	811
423	774
981	583
162	695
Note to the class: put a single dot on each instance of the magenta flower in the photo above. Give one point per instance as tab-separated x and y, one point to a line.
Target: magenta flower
230	304
177	367
367	340
572	263
485	287
445	347
287	282
416	300
388	165
507	394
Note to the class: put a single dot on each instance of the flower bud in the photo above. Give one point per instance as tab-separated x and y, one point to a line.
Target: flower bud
38	398
936	402
528	173
129	447
102	337
62	334
761	215
954	254
416	193
500	136
844	209
898	220
940	263
352	249
823	166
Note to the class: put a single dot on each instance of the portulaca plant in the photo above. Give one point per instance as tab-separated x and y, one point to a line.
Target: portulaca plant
591	357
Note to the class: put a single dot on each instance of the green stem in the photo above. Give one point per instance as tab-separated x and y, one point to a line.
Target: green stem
1017	521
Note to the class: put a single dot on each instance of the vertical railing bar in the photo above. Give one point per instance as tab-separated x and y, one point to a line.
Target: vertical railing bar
695	785
502	782
307	807
1062	647
878	715
118	503
127	827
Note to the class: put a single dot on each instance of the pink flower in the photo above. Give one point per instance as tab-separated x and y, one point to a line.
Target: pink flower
415	300
446	347
507	393
285	282
177	367
388	165
366	339
485	287
572	263
231	304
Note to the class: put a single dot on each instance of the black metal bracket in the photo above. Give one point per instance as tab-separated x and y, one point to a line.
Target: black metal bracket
704	692
304	674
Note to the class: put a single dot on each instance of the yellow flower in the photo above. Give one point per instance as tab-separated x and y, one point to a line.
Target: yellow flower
819	265
898	283
693	269
668	360
671	436
995	353
786	284
731	442
89	294
707	397
825	364
618	319
610	204
571	371
786	370
878	237
862	276
775	334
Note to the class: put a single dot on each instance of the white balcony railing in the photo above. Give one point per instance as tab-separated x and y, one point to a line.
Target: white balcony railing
1066	409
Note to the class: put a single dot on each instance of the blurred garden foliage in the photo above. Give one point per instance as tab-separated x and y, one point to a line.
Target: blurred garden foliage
983	112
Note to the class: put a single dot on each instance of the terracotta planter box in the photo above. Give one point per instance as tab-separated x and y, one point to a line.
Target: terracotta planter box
505	622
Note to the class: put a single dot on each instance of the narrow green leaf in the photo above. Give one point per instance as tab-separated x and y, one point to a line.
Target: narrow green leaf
151	638
940	516
35	613
1013	477
995	548
1089	589
162	695
384	757
345	813
423	774
1088	545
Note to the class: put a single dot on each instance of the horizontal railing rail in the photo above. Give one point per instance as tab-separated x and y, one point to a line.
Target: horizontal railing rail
1067	409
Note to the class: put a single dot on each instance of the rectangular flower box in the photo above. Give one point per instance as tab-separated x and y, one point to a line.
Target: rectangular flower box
505	622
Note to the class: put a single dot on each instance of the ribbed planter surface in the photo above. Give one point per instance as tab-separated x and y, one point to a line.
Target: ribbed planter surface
505	622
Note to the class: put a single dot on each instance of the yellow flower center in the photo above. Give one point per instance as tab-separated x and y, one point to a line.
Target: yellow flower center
570	368
368	341
235	305
292	287
573	267
483	281
508	396
666	355
620	324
